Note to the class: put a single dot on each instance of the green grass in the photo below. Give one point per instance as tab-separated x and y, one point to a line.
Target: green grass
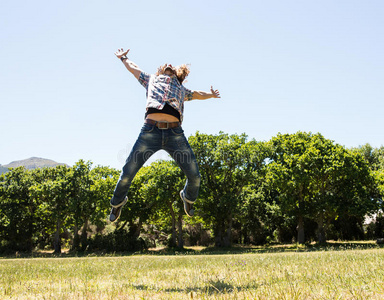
342	274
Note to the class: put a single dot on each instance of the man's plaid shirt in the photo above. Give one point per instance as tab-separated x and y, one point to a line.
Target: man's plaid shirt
164	89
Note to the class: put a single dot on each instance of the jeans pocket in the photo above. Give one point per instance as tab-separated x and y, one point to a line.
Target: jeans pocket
177	130
147	128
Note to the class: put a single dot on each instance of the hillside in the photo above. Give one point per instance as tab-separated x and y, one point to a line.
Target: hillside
30	164
3	169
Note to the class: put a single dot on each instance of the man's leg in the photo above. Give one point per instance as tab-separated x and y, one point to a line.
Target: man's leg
180	150
146	145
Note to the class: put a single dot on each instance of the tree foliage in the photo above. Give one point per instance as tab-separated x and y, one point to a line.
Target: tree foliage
298	186
319	179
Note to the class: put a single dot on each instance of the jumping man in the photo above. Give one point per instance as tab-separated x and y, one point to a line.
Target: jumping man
161	130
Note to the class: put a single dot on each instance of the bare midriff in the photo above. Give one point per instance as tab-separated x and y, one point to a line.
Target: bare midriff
162	117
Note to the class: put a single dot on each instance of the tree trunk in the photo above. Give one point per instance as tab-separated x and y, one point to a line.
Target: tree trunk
76	238
138	229
173	237
84	238
321	231
31	230
228	235
180	240
122	226
219	235
244	237
300	231
57	241
223	233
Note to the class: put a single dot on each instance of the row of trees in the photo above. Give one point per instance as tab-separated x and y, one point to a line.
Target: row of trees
38	206
299	187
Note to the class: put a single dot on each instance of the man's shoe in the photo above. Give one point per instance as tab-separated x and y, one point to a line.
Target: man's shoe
116	210
188	208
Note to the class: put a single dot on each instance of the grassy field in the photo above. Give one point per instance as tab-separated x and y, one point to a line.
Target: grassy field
345	274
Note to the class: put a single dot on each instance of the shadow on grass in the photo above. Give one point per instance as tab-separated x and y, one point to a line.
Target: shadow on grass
211	287
236	249
272	248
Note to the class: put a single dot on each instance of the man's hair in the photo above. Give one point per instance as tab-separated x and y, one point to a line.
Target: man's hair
182	71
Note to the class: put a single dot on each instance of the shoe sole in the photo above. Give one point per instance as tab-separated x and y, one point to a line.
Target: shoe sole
118	209
191	212
121	204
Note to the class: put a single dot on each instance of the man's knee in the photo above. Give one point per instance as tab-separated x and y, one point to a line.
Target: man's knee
197	179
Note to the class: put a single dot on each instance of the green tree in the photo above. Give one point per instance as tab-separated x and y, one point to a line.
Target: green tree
54	193
374	156
164	182
290	178
343	185
135	213
256	216
379	177
375	159
227	163
89	194
103	183
17	210
80	200
91	198
319	179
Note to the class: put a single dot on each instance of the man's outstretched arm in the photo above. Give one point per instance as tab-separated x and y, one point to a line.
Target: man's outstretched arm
200	95
130	65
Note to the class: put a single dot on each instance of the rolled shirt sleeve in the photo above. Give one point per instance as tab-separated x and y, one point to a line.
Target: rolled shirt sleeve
188	94
144	79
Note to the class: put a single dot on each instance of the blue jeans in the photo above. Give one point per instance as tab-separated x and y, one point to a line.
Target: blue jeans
150	140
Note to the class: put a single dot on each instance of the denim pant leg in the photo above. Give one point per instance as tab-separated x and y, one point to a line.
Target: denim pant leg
146	144
180	150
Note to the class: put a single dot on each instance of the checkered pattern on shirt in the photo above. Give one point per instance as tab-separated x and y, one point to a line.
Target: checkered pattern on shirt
164	89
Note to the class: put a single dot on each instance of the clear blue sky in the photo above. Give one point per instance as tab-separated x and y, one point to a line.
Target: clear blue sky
280	66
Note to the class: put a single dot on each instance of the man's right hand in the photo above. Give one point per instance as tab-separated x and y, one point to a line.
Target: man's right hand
130	65
120	53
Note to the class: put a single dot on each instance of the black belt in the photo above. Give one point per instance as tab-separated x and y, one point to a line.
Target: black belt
163	124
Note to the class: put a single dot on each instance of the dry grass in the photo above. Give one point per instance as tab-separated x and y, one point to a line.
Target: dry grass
350	274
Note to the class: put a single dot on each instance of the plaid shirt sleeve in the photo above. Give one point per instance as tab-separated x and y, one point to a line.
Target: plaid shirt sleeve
188	95
144	79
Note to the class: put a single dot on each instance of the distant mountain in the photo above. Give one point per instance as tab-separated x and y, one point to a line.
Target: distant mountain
30	164
3	169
